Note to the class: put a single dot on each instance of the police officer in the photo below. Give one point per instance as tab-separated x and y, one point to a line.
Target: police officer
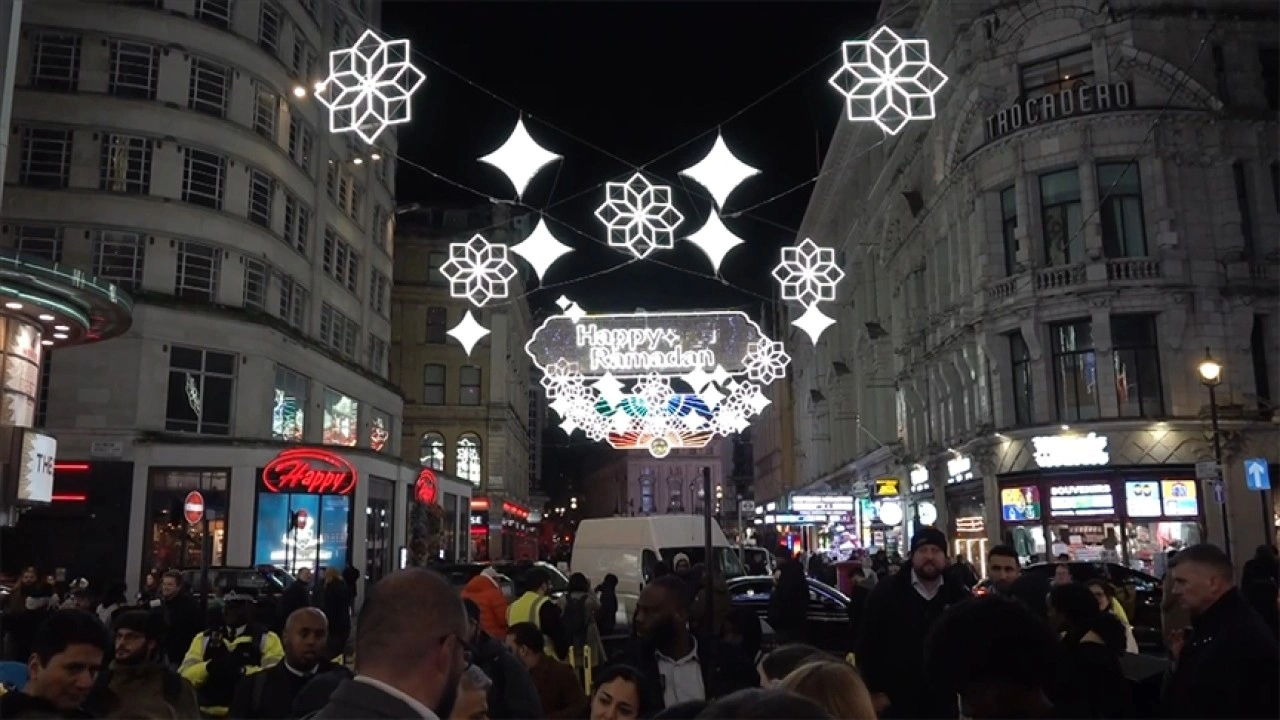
218	658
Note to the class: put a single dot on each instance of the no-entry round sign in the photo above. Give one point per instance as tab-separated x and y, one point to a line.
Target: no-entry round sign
193	508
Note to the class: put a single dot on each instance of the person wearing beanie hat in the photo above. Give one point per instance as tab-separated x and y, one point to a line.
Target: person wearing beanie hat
138	682
898	616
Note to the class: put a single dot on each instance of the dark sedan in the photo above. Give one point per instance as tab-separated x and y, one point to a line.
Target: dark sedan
828	610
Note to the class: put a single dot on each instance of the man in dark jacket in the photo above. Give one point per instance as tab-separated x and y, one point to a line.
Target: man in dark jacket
67	651
1228	665
512	693
139	682
677	665
295	597
898	616
270	694
183	619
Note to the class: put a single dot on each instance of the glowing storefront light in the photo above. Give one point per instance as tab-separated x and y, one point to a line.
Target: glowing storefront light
369	86
888	80
959	469
1054	451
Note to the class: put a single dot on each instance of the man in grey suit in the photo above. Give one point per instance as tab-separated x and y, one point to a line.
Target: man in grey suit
409	651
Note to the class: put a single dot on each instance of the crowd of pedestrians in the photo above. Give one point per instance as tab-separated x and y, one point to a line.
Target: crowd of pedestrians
924	646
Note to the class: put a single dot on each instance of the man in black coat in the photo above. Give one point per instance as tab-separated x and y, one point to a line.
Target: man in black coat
295	597
898	616
512	694
269	694
1228	665
679	667
182	616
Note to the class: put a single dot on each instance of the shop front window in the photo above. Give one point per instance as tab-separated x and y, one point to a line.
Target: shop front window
377	529
1163	515
341	419
176	543
302	529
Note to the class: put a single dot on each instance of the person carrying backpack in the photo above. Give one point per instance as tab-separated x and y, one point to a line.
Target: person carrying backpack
579	608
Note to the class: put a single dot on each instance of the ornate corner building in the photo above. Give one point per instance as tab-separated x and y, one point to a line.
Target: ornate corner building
1036	274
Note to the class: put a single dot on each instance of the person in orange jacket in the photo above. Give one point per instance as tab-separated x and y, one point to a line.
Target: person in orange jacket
485	592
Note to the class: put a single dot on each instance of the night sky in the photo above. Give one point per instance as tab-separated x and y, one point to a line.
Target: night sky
616	85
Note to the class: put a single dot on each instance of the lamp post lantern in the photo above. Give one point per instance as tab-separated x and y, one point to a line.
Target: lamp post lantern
1211	376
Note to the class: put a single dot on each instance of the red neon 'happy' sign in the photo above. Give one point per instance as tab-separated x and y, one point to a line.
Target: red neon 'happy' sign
311	471
427	487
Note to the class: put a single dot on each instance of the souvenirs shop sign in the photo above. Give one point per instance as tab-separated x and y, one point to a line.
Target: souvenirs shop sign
1080	100
309	470
635	345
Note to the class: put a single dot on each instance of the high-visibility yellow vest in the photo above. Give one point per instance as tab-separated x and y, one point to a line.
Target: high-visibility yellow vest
528	608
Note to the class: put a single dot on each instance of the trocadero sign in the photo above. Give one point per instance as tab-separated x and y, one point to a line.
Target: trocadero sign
635	345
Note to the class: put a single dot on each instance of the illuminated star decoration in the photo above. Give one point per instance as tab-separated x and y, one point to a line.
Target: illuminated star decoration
541	249
720	172
520	158
715	240
808	274
478	270
888	80
468	332
639	216
369	86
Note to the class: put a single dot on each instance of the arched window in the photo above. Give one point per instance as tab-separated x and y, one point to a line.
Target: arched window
468	459
432	454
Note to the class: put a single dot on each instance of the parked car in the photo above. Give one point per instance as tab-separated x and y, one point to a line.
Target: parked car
460	574
266	582
828	611
559	581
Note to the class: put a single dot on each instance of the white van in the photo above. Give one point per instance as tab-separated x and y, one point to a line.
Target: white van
630	548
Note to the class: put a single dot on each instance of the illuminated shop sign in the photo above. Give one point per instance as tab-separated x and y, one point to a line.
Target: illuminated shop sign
1180	498
825	504
1142	498
927	513
1080	100
1054	451
426	488
1081	500
1020	504
959	470
885	487
919	478
309	470
634	345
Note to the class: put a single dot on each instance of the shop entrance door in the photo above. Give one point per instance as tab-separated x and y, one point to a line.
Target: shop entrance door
976	550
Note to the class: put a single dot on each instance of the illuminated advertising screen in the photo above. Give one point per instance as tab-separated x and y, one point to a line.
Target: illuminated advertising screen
297	530
1142	498
1180	498
1020	504
341	419
1081	500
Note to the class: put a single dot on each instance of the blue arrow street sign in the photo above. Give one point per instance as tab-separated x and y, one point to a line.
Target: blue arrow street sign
1257	476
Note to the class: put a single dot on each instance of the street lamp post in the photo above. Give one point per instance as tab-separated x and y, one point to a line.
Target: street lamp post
1210	376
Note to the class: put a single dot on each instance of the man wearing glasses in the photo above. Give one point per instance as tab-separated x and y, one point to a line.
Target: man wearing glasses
409	651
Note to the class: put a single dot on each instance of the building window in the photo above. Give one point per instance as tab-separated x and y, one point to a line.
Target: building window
469	385
126	164
297	223
42	241
341	419
265	110
262	190
380	293
201	386
339	332
301	140
468	459
1048	77
293	301
214	12
435	261
1242	205
380	229
210	86
299	59
269	27
256	275
1061	217
1009	228
340	262
1137	363
437	325
1120	195
174	542
202	178
57	61
1261	373
118	258
378	350
1269	60
46	158
1075	371
431	454
288	409
134	69
433	376
1220	74
197	276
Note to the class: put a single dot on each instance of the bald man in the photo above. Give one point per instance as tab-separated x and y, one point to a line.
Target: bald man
410	652
270	694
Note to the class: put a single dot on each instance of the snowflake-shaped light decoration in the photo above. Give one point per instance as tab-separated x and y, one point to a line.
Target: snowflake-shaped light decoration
369	86
639	215
654	390
808	274
520	157
888	80
558	375
478	270
766	360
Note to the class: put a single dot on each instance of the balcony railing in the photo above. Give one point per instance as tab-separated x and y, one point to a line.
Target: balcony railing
1130	269
1059	278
